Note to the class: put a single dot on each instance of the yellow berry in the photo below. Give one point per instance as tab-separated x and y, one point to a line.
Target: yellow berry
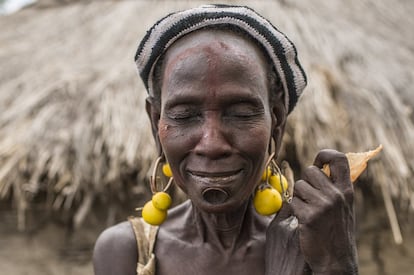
266	174
166	170
277	181
161	200
152	215
267	201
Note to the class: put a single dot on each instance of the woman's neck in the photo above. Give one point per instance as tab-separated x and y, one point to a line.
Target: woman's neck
224	230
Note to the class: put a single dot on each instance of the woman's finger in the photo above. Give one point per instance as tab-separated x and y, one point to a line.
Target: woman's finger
338	164
306	192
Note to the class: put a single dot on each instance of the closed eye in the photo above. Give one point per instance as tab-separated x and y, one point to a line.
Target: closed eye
183	113
243	111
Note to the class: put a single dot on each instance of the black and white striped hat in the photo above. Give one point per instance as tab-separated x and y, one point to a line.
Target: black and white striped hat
176	25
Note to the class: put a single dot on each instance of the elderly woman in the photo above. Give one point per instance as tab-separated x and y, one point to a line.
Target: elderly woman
221	82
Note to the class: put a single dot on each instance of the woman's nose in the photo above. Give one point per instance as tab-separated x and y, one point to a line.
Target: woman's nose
213	142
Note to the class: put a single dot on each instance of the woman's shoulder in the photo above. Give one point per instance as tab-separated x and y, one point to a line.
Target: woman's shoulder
115	251
121	235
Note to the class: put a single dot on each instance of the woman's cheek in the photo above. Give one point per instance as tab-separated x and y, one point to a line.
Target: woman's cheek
255	140
163	130
168	136
175	143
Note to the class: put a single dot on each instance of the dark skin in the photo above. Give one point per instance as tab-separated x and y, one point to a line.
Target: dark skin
214	124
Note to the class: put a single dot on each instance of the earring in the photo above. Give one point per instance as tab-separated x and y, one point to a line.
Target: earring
272	190
154	211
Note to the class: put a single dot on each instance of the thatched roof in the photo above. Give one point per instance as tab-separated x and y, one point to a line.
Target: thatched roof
73	129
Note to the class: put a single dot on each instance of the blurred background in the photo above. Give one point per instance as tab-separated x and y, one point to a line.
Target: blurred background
76	146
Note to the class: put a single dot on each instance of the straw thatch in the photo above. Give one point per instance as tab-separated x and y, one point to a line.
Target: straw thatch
73	128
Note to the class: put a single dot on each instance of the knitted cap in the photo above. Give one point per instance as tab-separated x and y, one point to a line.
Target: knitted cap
176	25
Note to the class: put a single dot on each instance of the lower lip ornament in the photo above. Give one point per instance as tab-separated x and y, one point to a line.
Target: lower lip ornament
215	195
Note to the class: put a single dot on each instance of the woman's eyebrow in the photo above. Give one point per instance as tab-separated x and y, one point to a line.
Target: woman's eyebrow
252	99
183	100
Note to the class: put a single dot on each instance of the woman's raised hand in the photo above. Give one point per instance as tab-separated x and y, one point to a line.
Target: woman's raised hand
324	210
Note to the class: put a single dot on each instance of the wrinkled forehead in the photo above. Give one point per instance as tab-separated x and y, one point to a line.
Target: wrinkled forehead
212	47
214	60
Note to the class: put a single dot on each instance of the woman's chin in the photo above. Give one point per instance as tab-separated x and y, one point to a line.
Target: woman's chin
215	202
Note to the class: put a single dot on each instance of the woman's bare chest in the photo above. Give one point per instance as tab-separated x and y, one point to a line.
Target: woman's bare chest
177	258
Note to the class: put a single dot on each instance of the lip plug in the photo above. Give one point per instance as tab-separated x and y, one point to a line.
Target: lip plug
215	195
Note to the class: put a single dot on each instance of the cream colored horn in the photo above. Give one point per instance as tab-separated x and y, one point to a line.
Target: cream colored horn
357	162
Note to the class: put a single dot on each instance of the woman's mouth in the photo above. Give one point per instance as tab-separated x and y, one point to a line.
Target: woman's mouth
215	185
222	178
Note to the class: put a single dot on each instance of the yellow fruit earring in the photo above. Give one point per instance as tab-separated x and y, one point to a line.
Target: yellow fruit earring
154	211
267	201
272	191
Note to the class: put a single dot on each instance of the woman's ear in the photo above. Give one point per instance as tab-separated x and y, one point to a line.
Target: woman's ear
154	113
279	117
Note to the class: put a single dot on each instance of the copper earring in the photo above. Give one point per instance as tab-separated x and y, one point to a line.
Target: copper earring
154	211
272	191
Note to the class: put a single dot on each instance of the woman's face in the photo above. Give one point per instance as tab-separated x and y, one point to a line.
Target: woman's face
215	120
